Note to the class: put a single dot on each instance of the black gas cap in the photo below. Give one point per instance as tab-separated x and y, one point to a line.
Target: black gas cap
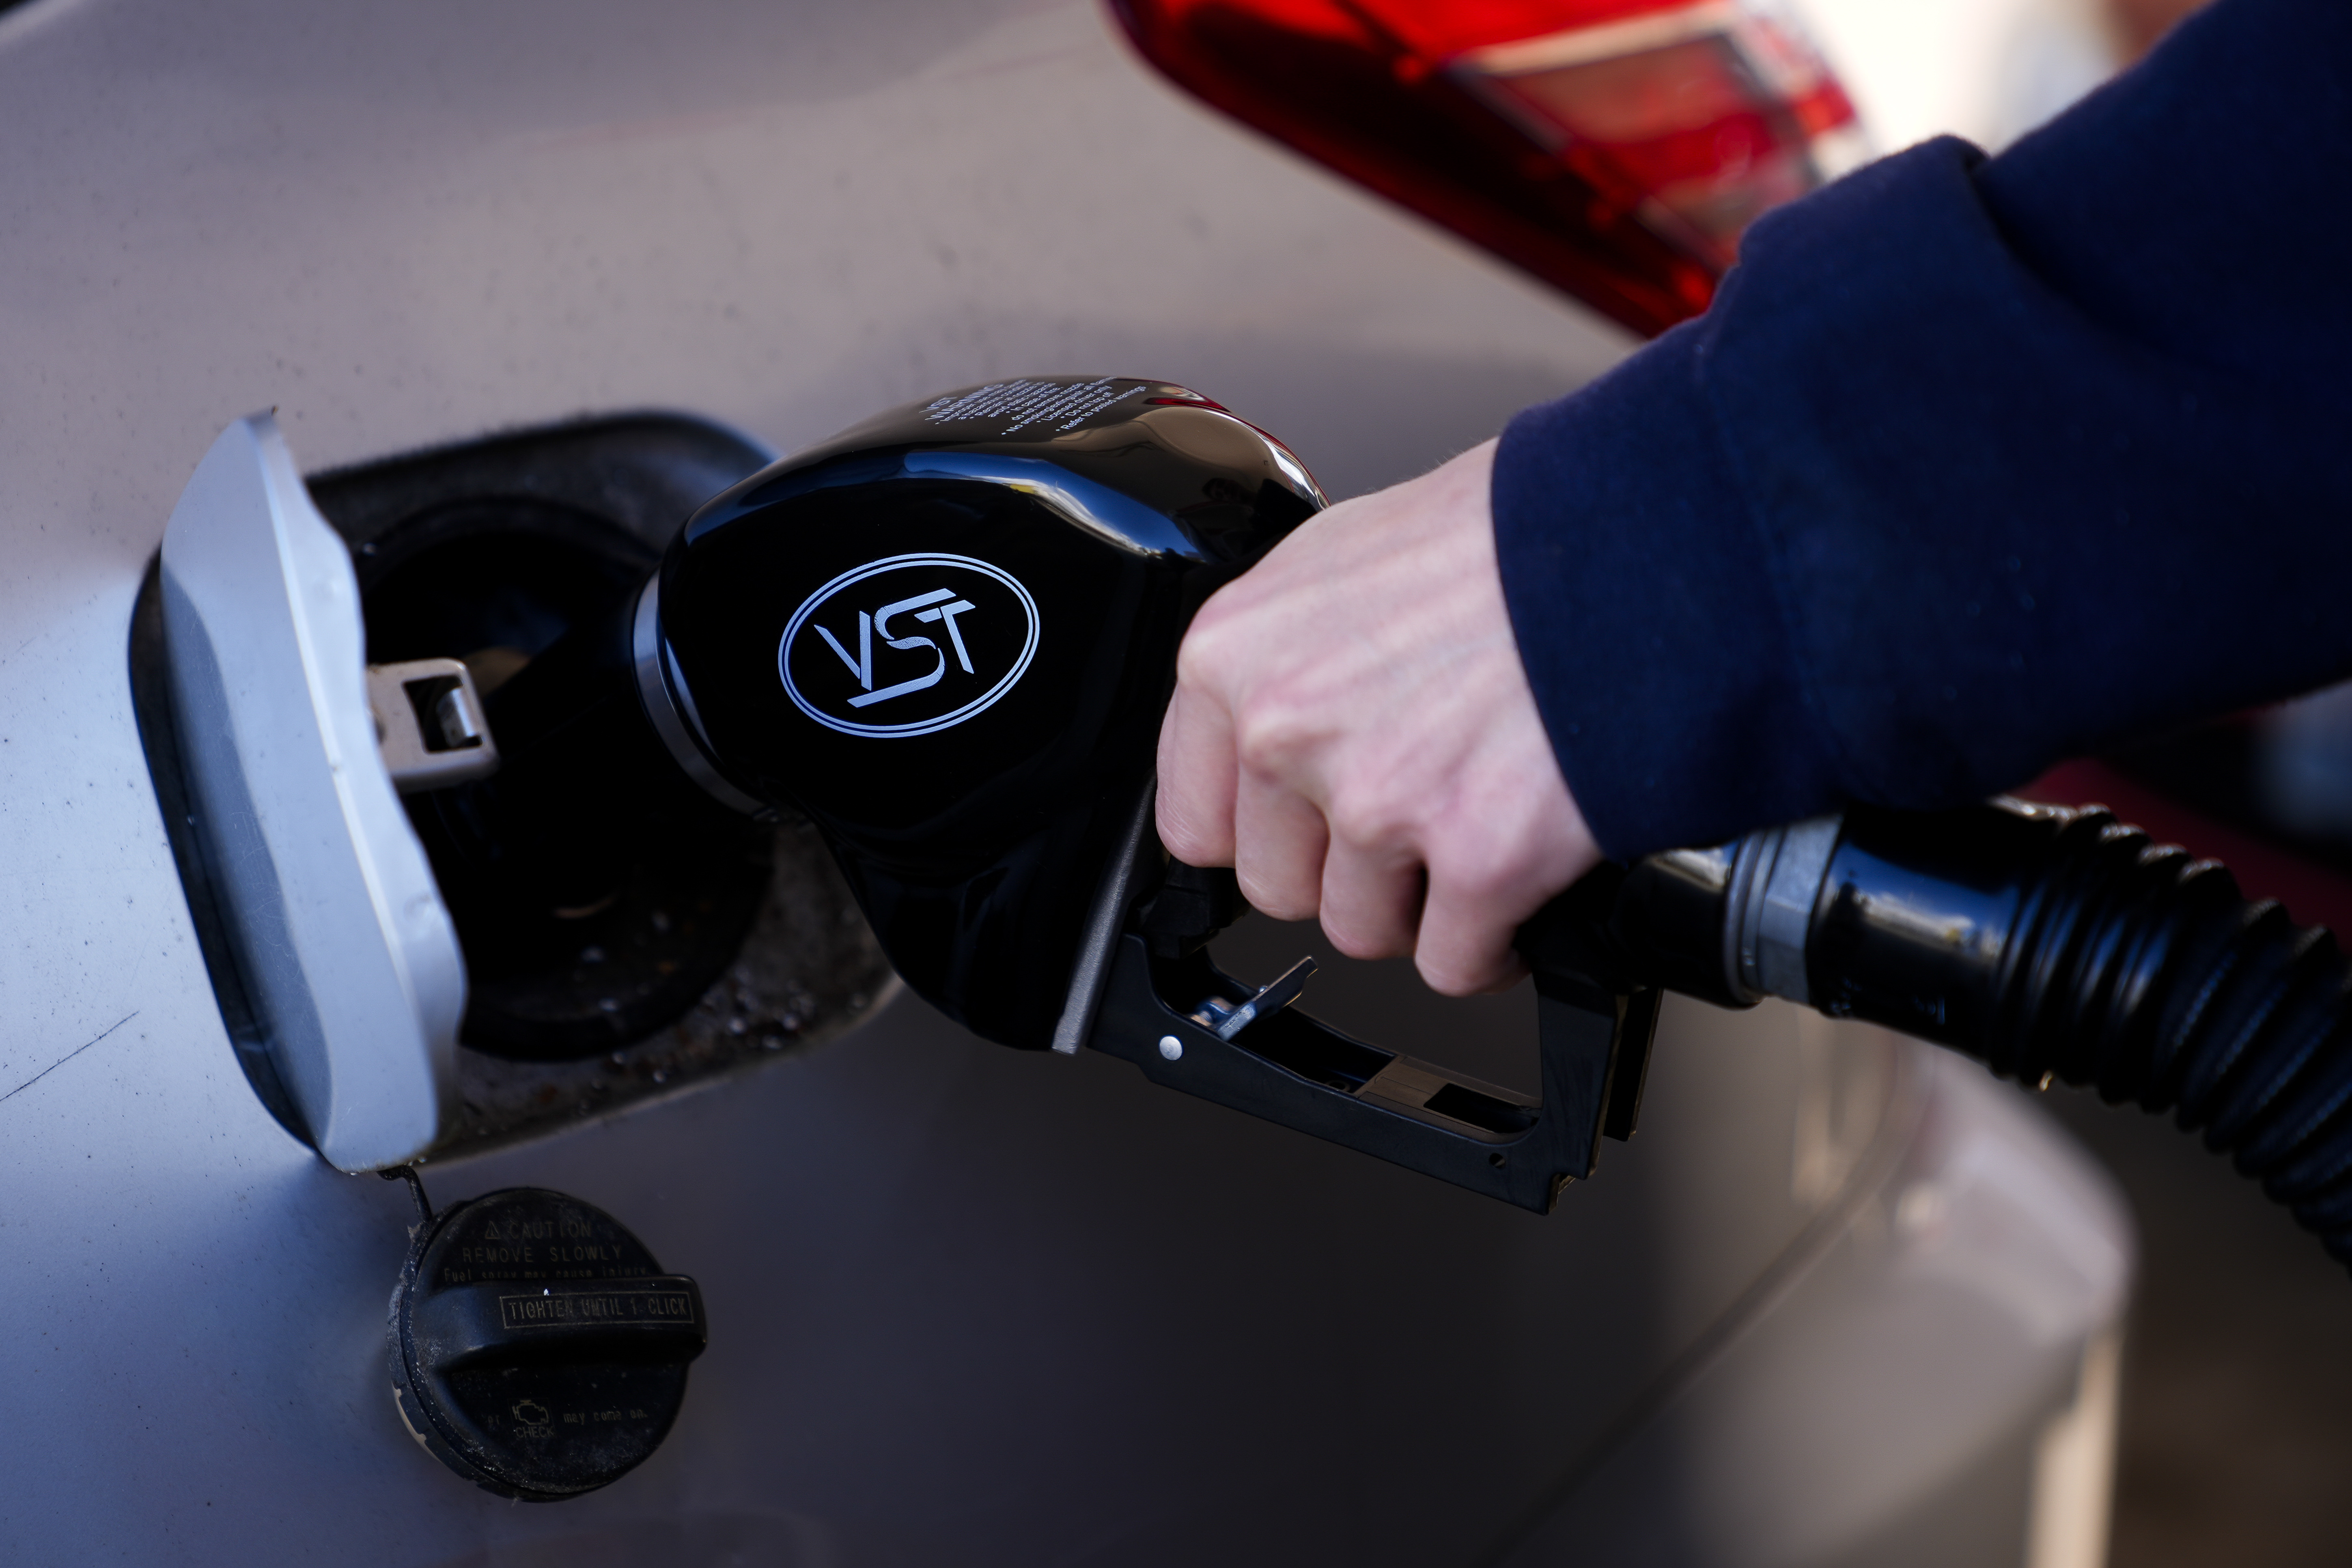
536	1348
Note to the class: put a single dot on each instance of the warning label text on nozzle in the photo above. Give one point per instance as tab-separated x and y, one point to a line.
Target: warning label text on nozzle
1064	406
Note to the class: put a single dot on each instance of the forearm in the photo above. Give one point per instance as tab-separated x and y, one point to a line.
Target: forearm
1973	465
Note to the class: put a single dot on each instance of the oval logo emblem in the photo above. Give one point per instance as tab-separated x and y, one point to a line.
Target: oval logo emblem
908	645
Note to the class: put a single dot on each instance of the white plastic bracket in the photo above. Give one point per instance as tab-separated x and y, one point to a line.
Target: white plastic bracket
429	724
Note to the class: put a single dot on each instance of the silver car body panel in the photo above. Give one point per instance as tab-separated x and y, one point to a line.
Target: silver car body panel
969	1306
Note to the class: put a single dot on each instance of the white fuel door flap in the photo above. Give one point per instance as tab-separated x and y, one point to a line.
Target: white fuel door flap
337	925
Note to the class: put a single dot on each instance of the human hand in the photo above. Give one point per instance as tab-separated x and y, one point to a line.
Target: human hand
1353	733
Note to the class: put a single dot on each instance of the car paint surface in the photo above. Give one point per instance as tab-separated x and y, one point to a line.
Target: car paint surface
968	1306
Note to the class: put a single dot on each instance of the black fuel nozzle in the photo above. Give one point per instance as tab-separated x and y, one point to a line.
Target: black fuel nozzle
948	636
945	638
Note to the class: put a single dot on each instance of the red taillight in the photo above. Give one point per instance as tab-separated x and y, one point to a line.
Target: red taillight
1613	148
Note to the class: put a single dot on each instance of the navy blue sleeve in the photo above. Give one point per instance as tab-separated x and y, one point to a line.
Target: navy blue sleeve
1975	464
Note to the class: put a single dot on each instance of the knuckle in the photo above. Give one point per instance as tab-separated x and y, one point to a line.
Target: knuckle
1212	656
1200	657
1268	732
1371	817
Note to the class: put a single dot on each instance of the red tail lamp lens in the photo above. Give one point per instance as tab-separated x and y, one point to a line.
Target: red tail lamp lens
1616	149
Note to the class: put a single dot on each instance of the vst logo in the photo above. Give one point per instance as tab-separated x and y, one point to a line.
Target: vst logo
908	645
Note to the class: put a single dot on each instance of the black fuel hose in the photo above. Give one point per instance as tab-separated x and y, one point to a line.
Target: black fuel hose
2048	944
